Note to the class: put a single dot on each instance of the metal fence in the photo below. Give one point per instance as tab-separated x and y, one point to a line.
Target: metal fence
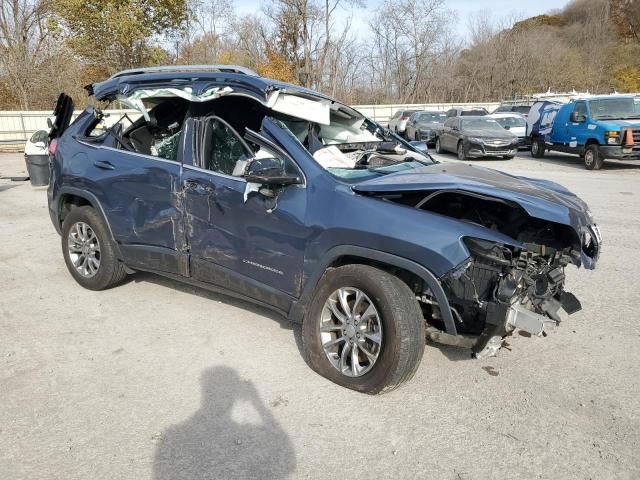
16	127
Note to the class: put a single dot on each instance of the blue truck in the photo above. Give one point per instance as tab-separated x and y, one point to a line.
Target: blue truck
596	127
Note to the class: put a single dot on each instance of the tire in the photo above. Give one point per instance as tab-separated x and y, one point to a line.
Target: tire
109	271
438	146
593	159
537	148
462	155
402	336
509	157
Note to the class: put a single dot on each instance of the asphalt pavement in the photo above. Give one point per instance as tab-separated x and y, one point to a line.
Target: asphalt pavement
158	380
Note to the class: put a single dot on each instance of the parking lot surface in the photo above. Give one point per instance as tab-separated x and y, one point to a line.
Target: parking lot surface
157	380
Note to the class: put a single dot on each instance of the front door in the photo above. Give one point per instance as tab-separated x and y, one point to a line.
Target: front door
240	239
577	127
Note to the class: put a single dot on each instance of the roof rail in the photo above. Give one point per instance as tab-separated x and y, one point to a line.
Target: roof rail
186	68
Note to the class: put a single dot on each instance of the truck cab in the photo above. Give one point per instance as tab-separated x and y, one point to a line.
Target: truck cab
595	127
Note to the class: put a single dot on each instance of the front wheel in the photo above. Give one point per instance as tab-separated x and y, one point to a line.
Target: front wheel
593	159
462	155
364	329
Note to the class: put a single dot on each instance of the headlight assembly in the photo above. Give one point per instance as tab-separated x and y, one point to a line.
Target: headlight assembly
612	137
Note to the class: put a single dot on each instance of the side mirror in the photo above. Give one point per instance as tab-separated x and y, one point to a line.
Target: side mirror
269	172
507	127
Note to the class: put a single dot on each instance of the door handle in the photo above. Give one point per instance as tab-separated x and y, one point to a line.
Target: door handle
104	165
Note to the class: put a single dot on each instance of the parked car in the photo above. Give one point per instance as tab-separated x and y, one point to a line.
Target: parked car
515	123
424	125
519	108
595	127
36	158
294	201
398	122
476	137
467	112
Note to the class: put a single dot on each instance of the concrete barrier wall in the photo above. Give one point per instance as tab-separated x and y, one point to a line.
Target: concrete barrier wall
16	126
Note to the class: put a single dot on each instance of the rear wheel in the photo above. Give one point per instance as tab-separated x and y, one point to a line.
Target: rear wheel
89	251
364	329
537	148
593	159
462	155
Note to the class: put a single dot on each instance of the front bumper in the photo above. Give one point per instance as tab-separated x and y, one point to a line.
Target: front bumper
428	137
523	143
477	150
620	153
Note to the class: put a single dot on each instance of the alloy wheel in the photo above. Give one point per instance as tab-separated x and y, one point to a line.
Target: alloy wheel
84	249
588	158
351	331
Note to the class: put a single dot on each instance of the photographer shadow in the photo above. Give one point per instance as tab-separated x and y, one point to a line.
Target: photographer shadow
232	436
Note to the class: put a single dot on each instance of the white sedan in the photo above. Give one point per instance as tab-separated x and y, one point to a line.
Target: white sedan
515	123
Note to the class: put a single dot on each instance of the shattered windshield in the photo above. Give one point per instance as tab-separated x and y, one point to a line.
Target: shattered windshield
615	108
352	147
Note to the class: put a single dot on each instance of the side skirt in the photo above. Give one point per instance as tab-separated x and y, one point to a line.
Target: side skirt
215	288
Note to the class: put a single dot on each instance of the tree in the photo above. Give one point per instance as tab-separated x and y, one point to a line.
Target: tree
23	39
119	34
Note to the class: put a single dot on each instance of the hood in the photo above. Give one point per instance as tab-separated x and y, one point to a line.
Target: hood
539	198
617	124
518	131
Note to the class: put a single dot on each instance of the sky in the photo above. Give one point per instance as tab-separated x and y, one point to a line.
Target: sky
463	8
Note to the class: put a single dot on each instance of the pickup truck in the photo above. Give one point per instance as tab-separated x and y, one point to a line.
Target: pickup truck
595	127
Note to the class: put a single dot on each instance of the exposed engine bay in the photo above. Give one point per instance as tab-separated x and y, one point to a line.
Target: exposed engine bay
501	287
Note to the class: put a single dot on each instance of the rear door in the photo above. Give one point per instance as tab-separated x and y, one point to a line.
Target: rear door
140	195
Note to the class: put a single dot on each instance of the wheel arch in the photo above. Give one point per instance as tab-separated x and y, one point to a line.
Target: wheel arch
590	141
70	197
405	269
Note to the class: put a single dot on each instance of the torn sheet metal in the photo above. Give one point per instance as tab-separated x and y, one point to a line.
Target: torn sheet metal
312	110
135	99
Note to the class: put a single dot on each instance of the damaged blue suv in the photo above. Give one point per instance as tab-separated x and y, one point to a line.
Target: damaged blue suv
287	198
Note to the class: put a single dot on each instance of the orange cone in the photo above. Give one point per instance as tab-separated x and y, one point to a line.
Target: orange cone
628	138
